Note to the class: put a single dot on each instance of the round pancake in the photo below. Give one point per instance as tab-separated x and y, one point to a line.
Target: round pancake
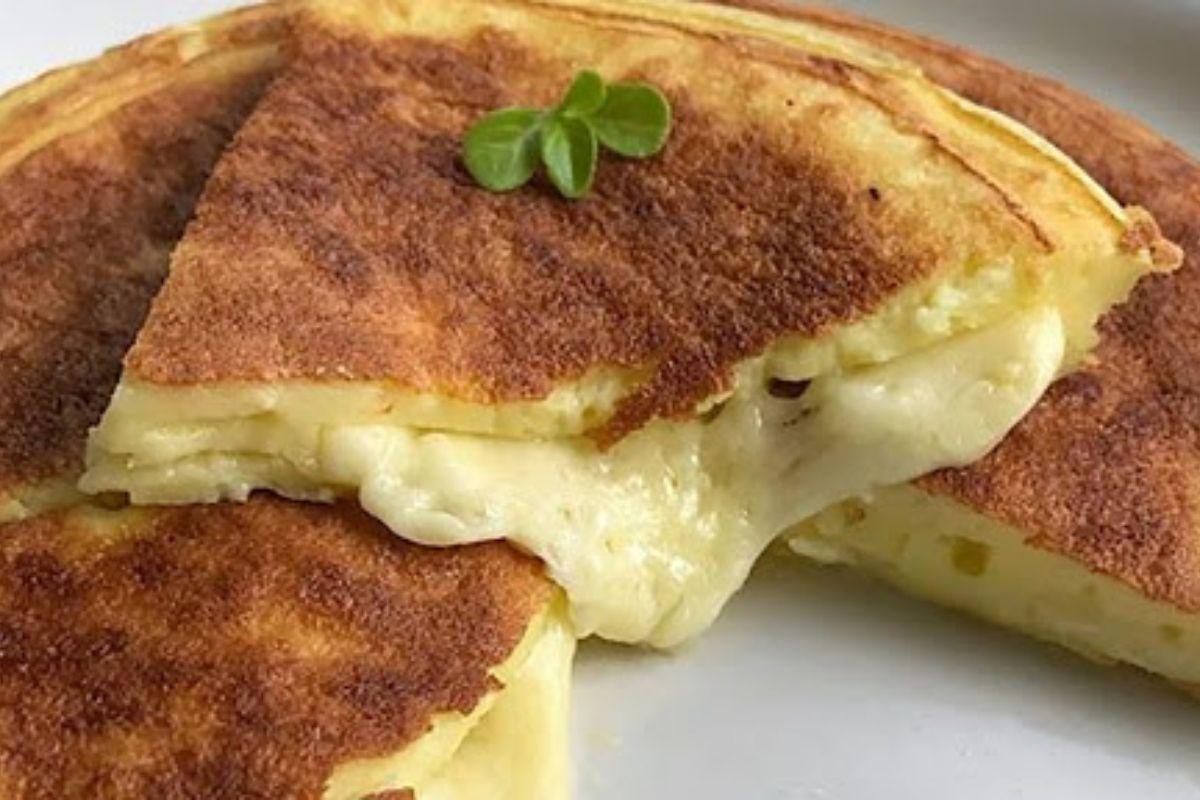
340	238
100	166
236	651
1104	469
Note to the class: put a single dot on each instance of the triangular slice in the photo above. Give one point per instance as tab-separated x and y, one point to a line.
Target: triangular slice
1081	527
274	649
611	383
266	650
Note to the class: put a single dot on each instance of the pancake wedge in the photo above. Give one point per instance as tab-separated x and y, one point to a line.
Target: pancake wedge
273	649
100	166
837	276
1081	527
266	650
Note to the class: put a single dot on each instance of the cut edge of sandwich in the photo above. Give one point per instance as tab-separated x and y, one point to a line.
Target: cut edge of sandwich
1093	552
511	746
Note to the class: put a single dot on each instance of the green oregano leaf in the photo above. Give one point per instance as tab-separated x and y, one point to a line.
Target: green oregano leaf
501	150
585	95
634	120
569	151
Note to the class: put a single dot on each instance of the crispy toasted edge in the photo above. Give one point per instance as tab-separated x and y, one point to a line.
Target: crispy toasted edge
1173	187
34	114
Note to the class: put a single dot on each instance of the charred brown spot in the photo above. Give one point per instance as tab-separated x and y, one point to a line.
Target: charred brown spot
1082	387
113	501
43	575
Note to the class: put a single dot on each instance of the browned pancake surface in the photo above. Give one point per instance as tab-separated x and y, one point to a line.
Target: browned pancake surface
237	651
340	238
86	227
1106	469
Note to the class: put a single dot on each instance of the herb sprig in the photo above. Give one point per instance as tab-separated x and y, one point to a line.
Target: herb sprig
503	150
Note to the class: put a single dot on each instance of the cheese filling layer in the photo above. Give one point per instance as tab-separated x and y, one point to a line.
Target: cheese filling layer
939	549
650	537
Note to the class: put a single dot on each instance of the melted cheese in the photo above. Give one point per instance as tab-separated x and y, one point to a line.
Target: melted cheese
649	538
943	551
512	746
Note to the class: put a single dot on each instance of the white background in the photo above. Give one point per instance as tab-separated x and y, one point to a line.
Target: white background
817	685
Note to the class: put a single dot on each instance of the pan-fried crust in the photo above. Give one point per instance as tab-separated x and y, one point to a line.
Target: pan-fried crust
100	165
1104	469
341	239
237	651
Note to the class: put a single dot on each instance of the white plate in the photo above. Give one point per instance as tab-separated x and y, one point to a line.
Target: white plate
816	685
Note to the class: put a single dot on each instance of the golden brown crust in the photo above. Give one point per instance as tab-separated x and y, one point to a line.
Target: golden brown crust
88	220
1104	470
237	651
341	239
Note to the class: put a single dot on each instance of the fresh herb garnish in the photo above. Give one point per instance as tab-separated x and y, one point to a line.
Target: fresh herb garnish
569	150
634	120
502	150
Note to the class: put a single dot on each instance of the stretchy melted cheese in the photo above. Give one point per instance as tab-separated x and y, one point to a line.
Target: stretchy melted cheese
649	538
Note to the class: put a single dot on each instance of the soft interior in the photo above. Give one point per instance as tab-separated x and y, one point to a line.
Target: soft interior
941	550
